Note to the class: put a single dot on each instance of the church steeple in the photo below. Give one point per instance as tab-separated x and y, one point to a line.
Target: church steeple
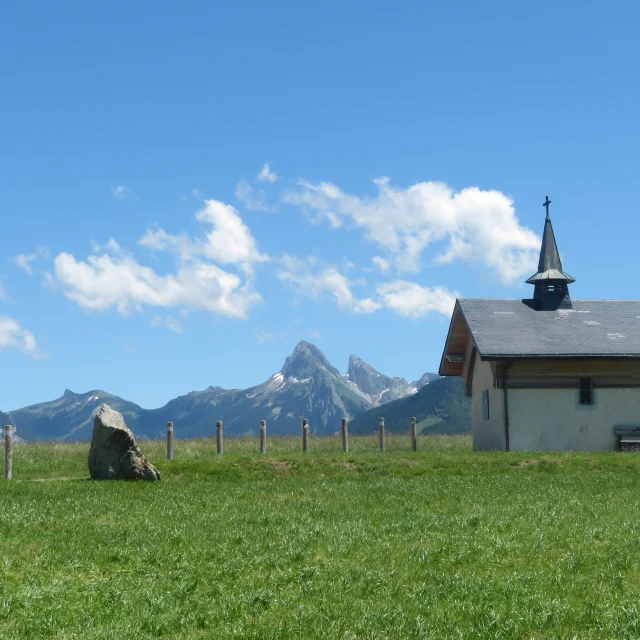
551	290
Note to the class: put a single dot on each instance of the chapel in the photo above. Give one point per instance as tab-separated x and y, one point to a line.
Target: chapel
548	373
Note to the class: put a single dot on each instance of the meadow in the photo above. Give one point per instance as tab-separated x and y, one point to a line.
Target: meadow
441	543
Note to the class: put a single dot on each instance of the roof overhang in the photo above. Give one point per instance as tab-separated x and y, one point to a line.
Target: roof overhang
456	346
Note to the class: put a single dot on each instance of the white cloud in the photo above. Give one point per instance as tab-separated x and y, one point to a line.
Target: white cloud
475	225
196	193
412	300
252	199
13	335
25	261
266	175
105	281
407	299
121	192
167	321
113	278
228	242
313	279
382	263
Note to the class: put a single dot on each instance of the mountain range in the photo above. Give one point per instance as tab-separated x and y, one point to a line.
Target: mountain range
307	386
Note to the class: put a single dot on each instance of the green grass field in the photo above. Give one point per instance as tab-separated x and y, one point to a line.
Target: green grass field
443	543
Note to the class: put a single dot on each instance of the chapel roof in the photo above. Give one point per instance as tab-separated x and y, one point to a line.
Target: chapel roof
515	329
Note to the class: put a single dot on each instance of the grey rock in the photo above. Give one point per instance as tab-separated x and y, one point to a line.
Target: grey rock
114	454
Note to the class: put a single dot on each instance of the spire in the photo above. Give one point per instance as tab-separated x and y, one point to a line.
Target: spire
550	280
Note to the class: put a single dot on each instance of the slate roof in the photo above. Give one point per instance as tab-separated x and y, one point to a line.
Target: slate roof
511	328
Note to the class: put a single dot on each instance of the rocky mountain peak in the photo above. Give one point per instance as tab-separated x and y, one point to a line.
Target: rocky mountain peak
426	379
366	377
89	395
306	360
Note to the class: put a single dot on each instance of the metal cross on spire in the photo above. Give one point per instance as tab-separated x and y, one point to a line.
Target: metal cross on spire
546	203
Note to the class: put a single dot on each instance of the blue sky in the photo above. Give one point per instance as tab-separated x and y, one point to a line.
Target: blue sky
189	189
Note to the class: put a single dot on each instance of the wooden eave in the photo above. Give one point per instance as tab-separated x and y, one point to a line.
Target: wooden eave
458	347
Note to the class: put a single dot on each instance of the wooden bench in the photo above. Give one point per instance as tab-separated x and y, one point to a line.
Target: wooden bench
628	438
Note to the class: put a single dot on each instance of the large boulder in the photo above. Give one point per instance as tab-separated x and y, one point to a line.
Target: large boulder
114	454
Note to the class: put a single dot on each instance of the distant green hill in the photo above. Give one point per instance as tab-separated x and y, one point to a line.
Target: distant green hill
439	407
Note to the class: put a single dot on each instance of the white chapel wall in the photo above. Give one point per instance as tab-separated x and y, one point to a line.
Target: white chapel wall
488	435
553	419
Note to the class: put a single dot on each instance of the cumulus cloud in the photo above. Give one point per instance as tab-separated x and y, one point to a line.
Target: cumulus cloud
106	281
313	279
13	335
229	241
167	321
113	278
411	300
473	225
408	299
266	175
121	192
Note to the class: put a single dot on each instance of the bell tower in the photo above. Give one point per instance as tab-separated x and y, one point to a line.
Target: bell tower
551	290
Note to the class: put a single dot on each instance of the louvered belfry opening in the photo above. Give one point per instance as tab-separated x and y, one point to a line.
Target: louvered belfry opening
551	290
549	297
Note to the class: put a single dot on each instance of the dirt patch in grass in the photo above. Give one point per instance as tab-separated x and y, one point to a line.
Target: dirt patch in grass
409	463
546	462
554	461
526	463
285	465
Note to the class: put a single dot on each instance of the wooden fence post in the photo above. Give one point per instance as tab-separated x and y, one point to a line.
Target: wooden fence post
8	453
382	443
305	435
263	436
414	440
169	440
345	436
219	436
